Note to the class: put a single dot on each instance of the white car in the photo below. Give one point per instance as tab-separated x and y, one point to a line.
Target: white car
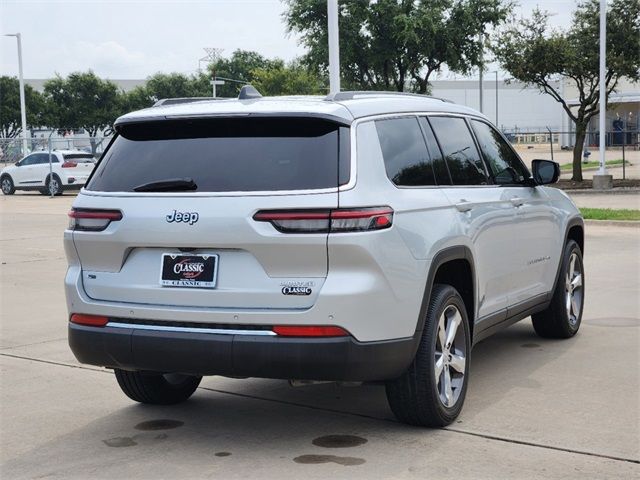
69	170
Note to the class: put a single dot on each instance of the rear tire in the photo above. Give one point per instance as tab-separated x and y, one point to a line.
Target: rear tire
7	186
562	317
431	392
54	185
157	388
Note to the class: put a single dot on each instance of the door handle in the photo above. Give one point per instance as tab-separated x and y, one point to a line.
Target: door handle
517	201
464	206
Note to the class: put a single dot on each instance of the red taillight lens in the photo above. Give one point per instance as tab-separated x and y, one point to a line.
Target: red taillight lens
69	164
92	220
309	331
325	221
91	320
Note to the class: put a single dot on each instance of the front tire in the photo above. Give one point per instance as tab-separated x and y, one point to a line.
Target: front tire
7	186
157	388
432	390
563	316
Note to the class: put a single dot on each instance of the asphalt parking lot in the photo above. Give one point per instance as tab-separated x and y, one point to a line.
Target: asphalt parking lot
535	408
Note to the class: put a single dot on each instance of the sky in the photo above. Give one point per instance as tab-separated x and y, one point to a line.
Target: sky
133	39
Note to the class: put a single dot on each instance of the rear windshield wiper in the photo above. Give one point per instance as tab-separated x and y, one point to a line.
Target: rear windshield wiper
168	185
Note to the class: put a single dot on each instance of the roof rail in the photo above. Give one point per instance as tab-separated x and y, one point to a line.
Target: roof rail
340	96
176	101
249	92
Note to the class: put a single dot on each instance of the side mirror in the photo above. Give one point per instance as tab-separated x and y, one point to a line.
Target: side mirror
545	171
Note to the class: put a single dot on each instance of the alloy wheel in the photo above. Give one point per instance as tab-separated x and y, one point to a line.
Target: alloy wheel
573	289
450	356
6	186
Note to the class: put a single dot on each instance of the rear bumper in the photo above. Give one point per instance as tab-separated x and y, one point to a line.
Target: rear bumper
241	355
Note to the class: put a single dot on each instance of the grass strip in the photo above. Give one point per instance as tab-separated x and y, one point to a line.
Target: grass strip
610	214
595	163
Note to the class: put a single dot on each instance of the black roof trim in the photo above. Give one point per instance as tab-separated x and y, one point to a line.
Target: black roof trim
176	101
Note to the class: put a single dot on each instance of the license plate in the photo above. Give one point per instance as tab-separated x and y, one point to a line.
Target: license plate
183	270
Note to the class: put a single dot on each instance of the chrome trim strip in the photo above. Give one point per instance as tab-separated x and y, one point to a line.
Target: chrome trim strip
162	328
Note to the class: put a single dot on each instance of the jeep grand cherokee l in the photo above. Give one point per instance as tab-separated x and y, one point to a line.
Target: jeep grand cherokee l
359	237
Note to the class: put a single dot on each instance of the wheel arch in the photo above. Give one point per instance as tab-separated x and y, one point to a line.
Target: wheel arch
573	231
452	266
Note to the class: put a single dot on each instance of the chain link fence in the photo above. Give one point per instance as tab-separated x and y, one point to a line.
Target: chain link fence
13	149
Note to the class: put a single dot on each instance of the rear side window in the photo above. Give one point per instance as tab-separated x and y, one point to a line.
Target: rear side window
405	154
459	150
42	158
226	155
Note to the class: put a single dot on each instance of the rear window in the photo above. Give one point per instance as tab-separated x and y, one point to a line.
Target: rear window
79	157
227	154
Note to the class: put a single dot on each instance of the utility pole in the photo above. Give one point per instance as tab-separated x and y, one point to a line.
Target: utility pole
480	87
602	180
496	98
23	108
212	56
334	46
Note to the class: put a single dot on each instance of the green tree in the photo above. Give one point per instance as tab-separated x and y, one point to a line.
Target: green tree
396	44
287	79
535	54
240	66
10	118
82	100
165	85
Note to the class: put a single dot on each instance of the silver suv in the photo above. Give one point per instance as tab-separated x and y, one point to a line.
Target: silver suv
359	237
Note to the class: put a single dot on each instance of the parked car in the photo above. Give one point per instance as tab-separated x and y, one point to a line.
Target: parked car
69	170
360	237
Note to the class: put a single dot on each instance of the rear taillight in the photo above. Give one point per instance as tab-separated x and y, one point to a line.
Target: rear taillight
91	320
309	331
328	221
69	164
90	220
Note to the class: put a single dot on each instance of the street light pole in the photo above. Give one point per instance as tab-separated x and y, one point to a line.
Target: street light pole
603	90
334	46
496	98
23	108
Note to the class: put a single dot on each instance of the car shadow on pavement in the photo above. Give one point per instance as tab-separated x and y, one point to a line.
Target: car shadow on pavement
258	418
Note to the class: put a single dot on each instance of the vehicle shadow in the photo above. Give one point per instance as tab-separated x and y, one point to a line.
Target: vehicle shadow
258	418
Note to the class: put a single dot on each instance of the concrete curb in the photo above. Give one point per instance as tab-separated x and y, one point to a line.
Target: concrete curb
614	223
614	191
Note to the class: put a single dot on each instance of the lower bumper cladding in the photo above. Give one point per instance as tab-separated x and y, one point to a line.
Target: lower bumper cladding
239	353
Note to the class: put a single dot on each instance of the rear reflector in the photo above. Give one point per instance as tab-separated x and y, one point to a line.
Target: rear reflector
92	220
328	221
309	331
91	320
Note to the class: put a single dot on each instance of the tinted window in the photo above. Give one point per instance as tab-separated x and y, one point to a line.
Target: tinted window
459	150
30	160
405	154
79	157
504	164
44	158
437	160
224	155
